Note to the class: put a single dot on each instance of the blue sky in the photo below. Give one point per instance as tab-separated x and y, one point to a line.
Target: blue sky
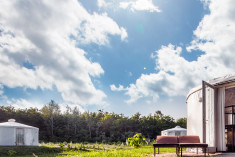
122	56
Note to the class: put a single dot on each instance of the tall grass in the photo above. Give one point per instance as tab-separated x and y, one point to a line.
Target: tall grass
82	150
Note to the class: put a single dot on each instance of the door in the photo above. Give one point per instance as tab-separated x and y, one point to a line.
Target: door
209	114
177	133
19	136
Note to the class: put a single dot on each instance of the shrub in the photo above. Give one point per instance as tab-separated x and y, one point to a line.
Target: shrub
61	146
11	152
137	140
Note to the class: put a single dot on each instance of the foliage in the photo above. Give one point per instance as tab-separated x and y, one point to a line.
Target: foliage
137	140
182	122
61	146
11	152
74	126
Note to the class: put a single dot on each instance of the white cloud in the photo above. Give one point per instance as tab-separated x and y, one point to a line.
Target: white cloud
102	3
143	5
114	88
22	104
45	34
97	27
175	77
215	36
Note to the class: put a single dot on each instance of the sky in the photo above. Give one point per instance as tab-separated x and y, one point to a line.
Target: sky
121	56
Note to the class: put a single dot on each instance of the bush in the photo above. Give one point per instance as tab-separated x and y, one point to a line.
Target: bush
137	140
61	146
11	152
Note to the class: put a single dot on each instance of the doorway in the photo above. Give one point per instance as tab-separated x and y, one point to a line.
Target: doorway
230	119
19	136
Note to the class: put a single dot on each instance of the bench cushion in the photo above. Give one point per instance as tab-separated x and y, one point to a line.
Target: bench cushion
167	140
189	139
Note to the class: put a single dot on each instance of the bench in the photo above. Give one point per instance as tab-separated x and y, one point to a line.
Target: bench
191	142
179	143
166	141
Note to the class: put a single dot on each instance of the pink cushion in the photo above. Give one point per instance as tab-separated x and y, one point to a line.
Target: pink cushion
189	139
167	139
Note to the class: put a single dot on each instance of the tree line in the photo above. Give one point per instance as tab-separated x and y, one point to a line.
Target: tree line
72	125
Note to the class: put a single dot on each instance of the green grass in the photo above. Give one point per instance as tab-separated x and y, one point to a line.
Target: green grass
80	150
128	152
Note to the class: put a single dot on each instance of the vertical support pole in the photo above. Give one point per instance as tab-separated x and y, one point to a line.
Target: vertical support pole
154	151
215	116
233	127
203	112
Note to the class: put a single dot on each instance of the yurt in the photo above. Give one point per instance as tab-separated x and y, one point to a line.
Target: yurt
211	113
177	131
17	134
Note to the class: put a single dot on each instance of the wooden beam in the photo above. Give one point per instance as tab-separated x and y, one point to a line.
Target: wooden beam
209	85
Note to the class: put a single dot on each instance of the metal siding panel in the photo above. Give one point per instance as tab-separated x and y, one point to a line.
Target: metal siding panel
194	114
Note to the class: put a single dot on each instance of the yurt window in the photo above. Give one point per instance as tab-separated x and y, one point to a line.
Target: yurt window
177	133
19	136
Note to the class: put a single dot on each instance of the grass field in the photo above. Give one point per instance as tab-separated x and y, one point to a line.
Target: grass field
80	150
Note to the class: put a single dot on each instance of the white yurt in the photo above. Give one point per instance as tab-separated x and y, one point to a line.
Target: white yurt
177	131
211	113
17	134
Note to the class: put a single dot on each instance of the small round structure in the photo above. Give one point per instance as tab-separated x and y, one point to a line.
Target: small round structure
17	134
177	131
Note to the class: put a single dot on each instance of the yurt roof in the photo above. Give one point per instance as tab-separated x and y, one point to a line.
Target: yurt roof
12	123
177	128
216	82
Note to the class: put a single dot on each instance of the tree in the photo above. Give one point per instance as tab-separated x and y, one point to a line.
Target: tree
88	126
49	113
182	122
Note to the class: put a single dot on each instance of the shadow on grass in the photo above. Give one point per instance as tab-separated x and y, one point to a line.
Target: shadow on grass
28	150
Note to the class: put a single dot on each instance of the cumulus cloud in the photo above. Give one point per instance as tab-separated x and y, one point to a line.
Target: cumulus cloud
114	88
215	36
142	5
96	29
23	103
45	34
175	77
102	3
